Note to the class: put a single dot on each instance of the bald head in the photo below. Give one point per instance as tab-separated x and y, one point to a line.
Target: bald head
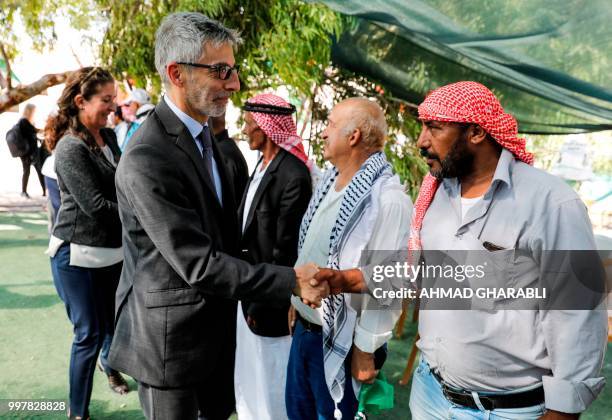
368	117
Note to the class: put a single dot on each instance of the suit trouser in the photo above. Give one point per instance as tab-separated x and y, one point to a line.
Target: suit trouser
212	399
89	297
26	161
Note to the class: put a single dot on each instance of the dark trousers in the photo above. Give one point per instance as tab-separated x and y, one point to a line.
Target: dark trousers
89	297
209	400
306	393
26	162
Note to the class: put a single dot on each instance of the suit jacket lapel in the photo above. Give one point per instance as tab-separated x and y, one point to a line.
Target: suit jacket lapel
268	176
246	190
175	127
111	141
227	189
229	205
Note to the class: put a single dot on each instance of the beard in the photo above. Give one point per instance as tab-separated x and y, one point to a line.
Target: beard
458	161
203	100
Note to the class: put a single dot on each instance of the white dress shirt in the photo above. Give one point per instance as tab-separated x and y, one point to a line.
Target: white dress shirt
195	128
258	174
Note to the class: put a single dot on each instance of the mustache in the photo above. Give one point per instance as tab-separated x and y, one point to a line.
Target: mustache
428	155
222	96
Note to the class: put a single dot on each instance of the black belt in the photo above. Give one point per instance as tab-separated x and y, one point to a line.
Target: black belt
491	402
309	326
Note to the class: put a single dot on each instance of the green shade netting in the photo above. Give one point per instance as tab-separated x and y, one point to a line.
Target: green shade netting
547	60
3	69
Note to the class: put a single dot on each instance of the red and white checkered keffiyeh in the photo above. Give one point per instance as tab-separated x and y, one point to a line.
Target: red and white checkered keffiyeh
464	102
281	129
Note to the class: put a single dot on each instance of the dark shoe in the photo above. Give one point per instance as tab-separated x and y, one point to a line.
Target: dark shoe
25	194
116	382
71	417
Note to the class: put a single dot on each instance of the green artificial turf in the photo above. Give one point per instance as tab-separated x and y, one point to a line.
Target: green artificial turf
35	336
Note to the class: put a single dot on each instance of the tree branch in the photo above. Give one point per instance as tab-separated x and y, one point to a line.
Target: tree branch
24	92
76	57
307	110
9	83
3	84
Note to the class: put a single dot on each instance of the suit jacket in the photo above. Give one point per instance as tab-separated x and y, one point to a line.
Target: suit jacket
88	211
272	230
235	163
175	315
28	135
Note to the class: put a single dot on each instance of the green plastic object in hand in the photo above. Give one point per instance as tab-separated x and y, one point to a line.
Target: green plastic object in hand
375	397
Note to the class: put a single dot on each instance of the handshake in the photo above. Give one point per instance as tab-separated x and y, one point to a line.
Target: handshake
313	284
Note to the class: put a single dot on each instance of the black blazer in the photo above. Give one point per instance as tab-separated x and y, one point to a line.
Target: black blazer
175	320
272	230
28	135
235	163
88	212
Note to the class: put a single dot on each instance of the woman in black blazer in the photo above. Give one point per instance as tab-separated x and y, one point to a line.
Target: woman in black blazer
85	246
28	135
270	214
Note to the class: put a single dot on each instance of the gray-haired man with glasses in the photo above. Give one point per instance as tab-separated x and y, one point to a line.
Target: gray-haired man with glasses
175	326
223	71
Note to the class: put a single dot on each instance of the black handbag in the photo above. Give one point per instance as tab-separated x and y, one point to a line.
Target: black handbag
18	146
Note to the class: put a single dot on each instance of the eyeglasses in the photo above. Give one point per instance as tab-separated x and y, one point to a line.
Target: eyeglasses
223	71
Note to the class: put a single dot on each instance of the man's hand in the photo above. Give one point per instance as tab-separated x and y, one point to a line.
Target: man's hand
362	366
557	415
342	281
291	319
311	291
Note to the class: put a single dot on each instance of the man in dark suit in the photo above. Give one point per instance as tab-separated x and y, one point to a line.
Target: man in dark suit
236	165
175	322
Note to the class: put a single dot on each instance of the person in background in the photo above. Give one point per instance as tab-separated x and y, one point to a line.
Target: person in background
231	155
272	207
48	171
138	105
85	246
27	133
119	124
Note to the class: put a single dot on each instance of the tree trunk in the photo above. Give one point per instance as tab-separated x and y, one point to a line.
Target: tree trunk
22	93
7	63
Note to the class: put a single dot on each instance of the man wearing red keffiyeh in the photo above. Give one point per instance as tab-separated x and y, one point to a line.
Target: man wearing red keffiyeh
271	209
482	194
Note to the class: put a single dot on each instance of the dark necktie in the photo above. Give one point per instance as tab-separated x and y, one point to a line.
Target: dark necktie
207	153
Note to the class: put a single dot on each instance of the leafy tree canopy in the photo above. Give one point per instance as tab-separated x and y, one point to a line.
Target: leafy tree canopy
38	19
286	43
